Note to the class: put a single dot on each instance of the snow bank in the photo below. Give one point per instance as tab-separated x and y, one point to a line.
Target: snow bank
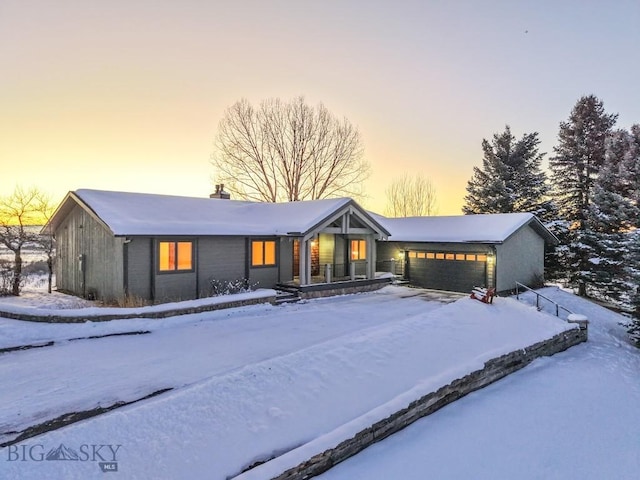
89	312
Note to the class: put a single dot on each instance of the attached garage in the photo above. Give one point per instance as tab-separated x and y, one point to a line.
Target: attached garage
457	272
458	253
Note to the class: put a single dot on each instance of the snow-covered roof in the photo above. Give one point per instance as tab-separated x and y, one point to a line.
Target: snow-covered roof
151	214
485	228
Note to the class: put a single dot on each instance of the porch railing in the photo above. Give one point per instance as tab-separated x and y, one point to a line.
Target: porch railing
340	272
393	266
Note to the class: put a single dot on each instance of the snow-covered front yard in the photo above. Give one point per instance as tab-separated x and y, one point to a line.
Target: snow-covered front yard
575	415
253	382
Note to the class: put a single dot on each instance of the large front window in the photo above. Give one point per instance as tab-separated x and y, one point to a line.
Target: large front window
175	256
263	253
358	249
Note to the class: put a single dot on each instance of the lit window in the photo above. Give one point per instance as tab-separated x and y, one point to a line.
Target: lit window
412	254
185	252
449	256
481	258
459	256
439	256
263	253
471	258
422	255
175	256
431	255
358	249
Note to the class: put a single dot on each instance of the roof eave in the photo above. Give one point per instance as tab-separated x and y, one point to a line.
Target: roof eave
65	208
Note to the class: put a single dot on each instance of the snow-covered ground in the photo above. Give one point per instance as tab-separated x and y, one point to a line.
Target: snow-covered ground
179	351
575	415
249	383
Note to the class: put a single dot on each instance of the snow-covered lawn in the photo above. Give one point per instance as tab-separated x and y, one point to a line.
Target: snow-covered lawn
79	375
250	383
575	415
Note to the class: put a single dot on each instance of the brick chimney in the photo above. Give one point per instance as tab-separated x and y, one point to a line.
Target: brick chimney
220	193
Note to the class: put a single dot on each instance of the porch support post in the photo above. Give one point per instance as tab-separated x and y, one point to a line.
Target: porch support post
307	250
302	274
371	257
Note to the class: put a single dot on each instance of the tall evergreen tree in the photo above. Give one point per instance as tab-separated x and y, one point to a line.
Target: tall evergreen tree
612	214
511	178
578	157
632	260
632	276
632	168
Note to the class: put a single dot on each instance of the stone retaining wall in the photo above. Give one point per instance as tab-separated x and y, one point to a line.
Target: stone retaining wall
342	288
493	370
61	318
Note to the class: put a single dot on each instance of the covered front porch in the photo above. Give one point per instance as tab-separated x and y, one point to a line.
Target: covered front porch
339	249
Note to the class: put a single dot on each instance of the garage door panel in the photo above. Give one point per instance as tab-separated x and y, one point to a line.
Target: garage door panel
454	275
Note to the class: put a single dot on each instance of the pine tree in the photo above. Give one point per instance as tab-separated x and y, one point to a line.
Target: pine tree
555	256
632	260
511	178
612	214
632	169
578	157
632	271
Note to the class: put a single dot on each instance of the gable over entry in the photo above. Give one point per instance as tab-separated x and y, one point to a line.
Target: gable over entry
339	247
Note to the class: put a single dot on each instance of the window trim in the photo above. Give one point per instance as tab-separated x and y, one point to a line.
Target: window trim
264	242
176	270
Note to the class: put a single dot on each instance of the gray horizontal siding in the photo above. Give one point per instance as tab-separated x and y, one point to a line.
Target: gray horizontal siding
172	287
139	267
220	258
520	259
263	277
286	260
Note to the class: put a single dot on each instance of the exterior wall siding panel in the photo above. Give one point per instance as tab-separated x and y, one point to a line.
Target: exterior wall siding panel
263	277
220	258
286	260
170	287
90	258
139	267
520	259
327	249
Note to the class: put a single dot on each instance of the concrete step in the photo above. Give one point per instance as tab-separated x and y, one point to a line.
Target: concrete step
286	297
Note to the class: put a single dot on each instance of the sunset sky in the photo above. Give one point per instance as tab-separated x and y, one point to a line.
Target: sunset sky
127	94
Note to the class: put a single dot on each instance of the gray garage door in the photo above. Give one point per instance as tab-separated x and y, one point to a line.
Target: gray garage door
457	272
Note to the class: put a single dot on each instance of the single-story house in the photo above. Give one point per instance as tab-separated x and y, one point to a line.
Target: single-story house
457	253
111	245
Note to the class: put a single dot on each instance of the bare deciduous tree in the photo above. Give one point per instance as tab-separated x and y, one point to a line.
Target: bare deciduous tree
18	212
287	151
413	196
45	208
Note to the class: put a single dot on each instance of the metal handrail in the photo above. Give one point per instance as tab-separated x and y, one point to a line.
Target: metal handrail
538	295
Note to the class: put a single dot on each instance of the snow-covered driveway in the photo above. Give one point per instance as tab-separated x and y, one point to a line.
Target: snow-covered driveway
372	355
81	375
